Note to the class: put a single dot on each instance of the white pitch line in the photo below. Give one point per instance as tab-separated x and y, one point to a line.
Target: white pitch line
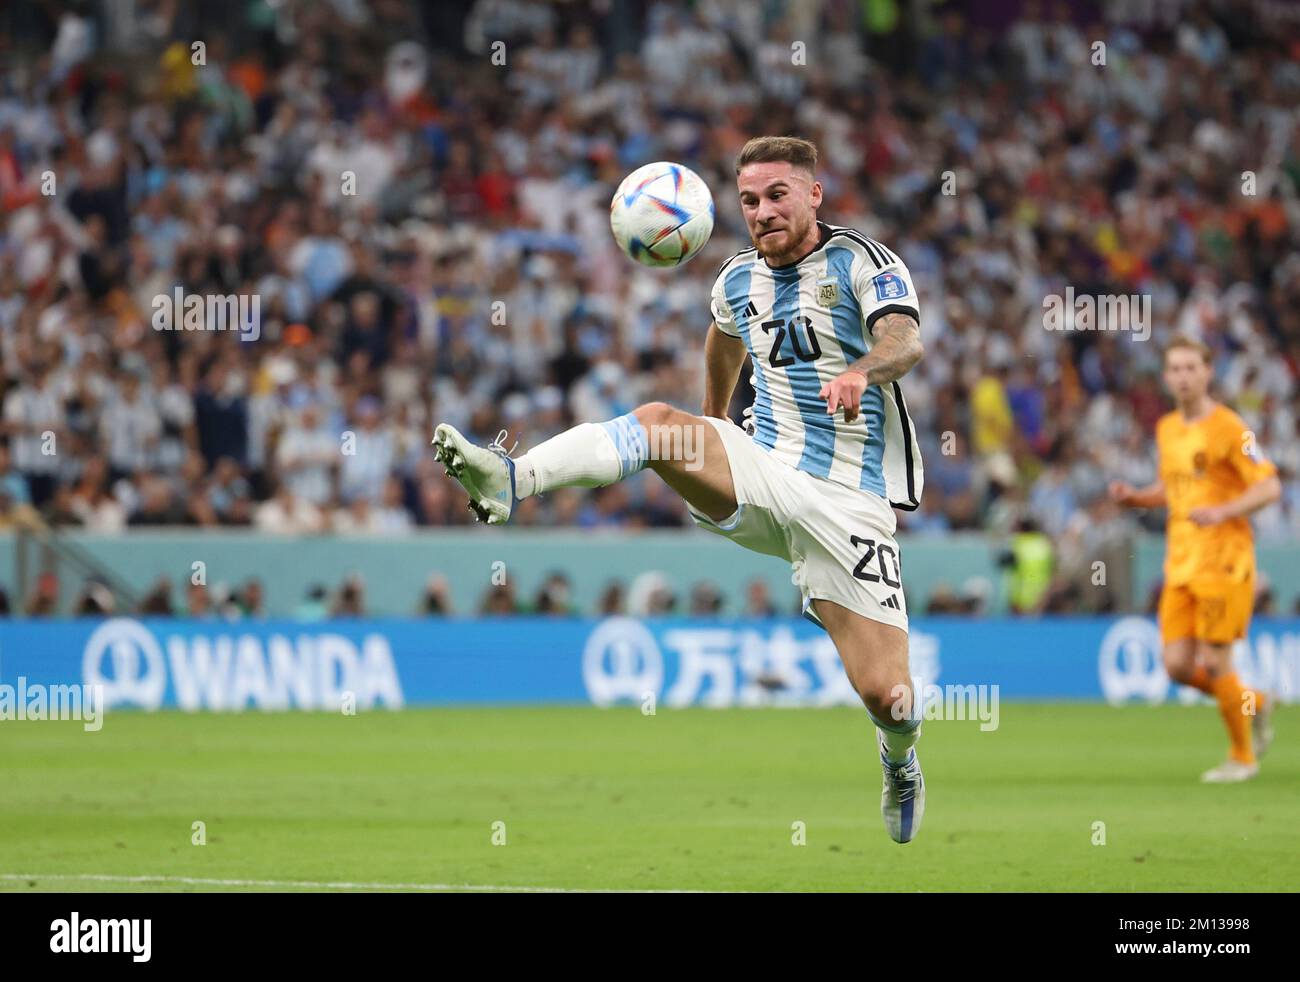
314	884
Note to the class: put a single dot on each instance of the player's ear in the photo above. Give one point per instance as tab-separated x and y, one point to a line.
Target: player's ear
816	194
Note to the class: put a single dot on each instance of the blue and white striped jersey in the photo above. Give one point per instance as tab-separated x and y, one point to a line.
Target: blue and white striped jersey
806	323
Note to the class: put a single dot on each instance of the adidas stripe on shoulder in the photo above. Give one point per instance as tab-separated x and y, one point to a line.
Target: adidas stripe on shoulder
879	254
744	252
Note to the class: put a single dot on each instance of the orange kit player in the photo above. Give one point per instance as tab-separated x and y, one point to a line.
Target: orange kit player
1211	477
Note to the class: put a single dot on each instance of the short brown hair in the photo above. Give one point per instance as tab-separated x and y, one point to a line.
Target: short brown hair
1183	341
766	149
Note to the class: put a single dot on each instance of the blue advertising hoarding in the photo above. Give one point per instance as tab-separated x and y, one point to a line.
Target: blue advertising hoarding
270	665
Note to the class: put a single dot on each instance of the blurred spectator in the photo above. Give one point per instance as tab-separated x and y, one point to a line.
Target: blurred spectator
314	606
499	601
43	601
286	514
129	428
611	603
554	596
93	502
943	601
651	595
390	515
1029	563
351	600
229	494
758	600
705	600
252	599
307	455
436	601
158	504
95	600
198	601
158	601
368	459
34	421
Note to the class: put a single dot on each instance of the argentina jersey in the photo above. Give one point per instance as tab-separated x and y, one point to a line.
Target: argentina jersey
804	324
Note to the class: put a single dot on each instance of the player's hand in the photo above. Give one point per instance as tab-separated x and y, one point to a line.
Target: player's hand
1121	493
846	391
1207	515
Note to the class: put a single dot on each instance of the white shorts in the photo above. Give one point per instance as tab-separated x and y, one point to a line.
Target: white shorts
838	540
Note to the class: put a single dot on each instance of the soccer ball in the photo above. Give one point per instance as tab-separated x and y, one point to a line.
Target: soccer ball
662	214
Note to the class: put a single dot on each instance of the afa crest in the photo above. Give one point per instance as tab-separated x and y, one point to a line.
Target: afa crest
828	292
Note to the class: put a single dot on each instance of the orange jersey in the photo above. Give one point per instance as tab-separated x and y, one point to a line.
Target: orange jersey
1207	463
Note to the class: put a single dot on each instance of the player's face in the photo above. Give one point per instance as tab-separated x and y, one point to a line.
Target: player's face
1186	374
779	202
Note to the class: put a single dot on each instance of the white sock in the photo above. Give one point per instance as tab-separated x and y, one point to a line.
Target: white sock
898	742
584	457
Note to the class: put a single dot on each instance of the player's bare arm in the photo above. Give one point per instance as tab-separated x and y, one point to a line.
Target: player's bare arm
1258	495
723	358
1151	496
896	351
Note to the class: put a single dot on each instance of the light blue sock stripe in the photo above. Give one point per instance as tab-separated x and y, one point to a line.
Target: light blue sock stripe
630	441
897	726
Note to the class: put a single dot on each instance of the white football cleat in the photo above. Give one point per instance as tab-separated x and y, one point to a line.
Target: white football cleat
902	799
1230	772
1261	727
488	475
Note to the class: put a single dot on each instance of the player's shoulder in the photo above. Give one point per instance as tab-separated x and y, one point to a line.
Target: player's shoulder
735	262
875	255
1226	420
1231	434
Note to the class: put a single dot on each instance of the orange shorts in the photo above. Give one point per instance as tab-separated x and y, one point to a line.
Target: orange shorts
1207	610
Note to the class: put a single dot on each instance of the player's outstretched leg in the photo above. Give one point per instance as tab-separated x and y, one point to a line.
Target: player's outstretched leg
685	450
875	658
1261	724
1239	708
1189	662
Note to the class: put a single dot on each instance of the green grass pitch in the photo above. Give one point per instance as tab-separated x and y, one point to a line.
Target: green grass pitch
612	799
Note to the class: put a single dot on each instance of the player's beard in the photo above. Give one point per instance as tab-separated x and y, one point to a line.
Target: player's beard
791	248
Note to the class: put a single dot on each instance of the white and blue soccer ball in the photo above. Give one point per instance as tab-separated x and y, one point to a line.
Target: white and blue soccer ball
662	214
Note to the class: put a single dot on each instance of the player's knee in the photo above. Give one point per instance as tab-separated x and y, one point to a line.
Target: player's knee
1179	658
886	697
664	427
655	414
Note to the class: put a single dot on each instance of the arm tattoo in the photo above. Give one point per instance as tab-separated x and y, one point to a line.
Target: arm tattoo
896	351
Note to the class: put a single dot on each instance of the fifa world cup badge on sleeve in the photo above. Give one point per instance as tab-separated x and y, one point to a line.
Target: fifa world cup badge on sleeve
890	286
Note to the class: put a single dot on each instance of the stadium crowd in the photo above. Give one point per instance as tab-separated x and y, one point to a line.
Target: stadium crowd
417	197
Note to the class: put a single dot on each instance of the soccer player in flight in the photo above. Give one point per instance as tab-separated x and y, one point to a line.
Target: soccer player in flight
831	321
1211	477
